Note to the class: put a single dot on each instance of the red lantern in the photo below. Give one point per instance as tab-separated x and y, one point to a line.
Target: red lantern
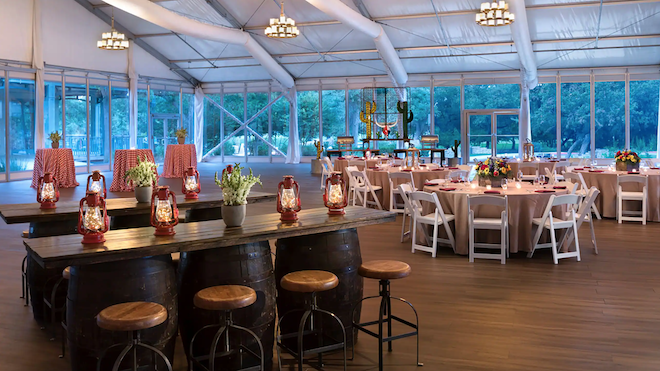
335	197
164	213
94	183
48	192
288	199
191	186
93	219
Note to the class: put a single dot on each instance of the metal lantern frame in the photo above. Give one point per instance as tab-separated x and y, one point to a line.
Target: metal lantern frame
164	228
191	194
93	199
411	161
528	151
96	176
288	214
333	207
45	179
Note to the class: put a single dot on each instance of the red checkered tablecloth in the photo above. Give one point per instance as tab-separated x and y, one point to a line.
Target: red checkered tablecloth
124	160
58	162
178	158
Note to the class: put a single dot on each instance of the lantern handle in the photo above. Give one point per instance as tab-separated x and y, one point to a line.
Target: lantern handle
175	210
80	213
298	207
279	197
106	218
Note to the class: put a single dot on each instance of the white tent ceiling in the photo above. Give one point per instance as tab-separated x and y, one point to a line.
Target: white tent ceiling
564	33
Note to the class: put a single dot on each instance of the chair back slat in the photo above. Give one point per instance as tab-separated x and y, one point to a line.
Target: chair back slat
643	179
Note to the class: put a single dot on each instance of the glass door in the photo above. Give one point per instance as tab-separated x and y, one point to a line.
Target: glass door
491	133
506	134
163	128
480	134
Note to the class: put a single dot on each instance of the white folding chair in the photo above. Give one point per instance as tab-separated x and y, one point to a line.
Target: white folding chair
570	186
360	164
465	167
622	195
436	219
397	161
395	206
552	224
559	168
529	165
501	224
327	170
577	178
432	166
351	183
405	190
584	215
575	161
362	188
457	174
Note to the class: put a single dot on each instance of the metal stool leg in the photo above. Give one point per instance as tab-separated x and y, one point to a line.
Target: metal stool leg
132	347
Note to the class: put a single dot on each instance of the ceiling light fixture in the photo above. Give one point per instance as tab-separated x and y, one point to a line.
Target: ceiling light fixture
113	40
495	14
283	27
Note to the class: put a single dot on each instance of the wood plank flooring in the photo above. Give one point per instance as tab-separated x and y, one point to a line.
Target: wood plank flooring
599	314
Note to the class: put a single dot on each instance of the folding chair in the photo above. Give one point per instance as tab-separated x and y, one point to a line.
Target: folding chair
552	224
436	219
501	224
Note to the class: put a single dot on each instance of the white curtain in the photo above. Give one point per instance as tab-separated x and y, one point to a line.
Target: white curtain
132	98
38	65
524	127
293	151
199	122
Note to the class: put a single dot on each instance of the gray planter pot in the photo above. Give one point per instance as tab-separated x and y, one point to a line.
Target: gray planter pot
55	145
233	216
143	194
454	161
181	140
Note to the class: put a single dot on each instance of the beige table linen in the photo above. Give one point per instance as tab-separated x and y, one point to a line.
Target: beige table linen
606	184
341	165
379	178
541	165
523	207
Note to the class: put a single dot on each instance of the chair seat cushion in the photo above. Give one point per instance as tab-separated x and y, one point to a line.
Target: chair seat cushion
559	223
430	218
632	195
491	222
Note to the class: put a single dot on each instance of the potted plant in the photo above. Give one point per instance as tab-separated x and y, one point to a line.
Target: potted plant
55	139
627	160
454	161
494	170
142	176
181	135
235	189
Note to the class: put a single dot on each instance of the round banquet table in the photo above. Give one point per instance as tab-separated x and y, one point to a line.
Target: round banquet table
541	165
178	158
605	181
524	205
57	161
379	178
124	160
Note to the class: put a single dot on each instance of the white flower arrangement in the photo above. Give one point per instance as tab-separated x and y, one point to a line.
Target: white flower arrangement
144	174
236	187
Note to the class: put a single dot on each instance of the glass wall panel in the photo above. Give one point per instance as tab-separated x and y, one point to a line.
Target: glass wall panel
610	118
76	122
356	128
52	110
21	124
143	120
255	102
280	123
575	120
3	148
420	104
120	119
543	107
447	110
164	101
212	115
498	96
334	117
644	97
308	121
188	116
99	119
164	120
234	146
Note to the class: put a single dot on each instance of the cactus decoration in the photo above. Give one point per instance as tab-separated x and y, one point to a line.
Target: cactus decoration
402	107
454	148
319	149
365	116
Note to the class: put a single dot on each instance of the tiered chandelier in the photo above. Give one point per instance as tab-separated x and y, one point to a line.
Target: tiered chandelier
495	14
283	27
112	40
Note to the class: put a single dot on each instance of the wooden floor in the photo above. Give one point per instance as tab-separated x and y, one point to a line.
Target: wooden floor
602	313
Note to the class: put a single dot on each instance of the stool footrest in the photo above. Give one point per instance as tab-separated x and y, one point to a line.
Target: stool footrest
325	344
249	355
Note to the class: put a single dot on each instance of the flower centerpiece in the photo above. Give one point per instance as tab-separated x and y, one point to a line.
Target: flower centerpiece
493	169
235	189
181	135
143	176
627	160
55	139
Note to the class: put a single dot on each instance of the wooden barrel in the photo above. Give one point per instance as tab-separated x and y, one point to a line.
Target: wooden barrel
250	265
337	252
95	287
38	276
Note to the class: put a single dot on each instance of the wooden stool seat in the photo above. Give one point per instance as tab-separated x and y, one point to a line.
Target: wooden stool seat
309	281
66	273
132	316
384	269
225	297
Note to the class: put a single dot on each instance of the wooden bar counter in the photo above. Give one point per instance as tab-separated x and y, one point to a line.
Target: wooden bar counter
212	254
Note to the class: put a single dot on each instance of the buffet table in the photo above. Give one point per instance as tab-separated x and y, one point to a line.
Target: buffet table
524	205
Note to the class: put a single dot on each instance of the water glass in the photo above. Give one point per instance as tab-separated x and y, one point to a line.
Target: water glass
542	179
537	181
505	184
520	175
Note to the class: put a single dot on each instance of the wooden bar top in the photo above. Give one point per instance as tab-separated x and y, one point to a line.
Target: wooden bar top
62	251
25	213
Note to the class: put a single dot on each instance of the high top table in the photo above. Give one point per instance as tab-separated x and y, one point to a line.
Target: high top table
132	265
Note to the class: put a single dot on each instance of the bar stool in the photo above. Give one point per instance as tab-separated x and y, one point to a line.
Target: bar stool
50	297
133	317
386	270
66	274
311	282
25	287
225	298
